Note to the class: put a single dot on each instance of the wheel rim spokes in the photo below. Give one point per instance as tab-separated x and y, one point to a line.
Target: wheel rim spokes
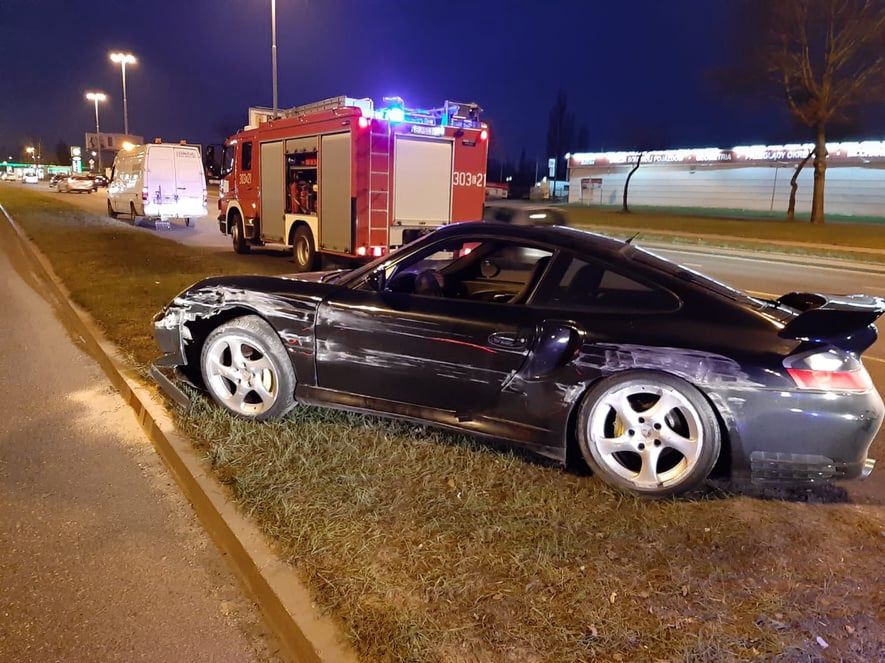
648	434
241	375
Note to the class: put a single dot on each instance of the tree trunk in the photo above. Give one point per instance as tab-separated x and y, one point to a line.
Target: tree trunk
794	186
625	207
820	174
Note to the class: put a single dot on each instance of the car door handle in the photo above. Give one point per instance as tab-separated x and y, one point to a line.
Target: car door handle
509	340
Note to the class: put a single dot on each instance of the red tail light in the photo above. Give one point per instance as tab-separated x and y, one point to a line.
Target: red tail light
830	369
361	250
144	194
831	380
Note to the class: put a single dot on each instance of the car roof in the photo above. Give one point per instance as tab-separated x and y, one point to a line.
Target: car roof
575	239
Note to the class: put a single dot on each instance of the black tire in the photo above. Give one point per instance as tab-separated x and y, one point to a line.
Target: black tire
187	222
254	333
238	237
304	251
132	214
111	212
696	412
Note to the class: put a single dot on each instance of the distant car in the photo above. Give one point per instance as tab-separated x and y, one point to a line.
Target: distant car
55	179
525	216
30	178
8	176
100	181
80	183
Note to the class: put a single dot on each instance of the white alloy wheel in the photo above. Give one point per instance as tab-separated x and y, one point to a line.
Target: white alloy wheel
651	434
246	370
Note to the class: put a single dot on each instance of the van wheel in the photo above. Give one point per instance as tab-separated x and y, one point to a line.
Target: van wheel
303	250
111	212
132	212
237	236
187	222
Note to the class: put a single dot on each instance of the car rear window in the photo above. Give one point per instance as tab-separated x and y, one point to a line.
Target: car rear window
585	285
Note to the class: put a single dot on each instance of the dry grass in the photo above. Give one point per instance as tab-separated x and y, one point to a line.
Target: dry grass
833	235
431	547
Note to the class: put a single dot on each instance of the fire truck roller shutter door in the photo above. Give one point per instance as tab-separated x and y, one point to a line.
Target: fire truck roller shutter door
273	191
336	222
422	186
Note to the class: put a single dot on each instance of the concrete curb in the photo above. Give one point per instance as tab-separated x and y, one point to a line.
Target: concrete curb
303	633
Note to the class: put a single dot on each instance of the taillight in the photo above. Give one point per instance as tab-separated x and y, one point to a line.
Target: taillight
379	251
830	369
361	250
363	122
144	193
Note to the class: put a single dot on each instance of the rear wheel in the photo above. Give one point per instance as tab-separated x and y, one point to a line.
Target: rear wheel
236	234
649	433
187	222
246	370
303	249
132	212
111	212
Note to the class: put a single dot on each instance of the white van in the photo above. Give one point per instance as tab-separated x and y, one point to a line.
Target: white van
160	181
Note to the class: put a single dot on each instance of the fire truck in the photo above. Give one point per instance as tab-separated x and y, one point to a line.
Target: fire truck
345	178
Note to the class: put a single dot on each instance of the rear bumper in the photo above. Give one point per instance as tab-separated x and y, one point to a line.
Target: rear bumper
802	436
179	210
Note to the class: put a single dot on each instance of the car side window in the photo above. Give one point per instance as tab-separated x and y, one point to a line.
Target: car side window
586	285
246	159
490	270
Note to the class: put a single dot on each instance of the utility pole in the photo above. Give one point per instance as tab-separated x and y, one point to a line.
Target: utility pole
123	59
273	52
96	97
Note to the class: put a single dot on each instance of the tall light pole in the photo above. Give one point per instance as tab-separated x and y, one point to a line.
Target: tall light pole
96	97
273	51
123	59
30	151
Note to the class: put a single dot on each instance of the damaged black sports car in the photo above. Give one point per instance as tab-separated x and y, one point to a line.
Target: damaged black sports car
564	342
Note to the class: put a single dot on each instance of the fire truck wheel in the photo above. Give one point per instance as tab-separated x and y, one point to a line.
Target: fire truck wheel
237	235
303	249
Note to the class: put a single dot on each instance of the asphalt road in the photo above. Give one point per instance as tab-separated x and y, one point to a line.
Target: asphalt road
101	557
759	273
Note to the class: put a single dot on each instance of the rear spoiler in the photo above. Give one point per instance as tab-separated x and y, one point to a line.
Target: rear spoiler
832	317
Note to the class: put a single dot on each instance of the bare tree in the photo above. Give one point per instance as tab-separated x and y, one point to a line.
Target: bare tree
560	131
794	186
624	206
828	56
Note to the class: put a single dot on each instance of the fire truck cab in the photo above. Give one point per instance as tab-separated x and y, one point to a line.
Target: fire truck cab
345	178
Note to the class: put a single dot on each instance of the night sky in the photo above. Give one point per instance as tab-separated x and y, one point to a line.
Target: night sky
631	69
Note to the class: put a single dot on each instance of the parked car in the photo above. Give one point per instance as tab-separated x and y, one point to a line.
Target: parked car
8	176
30	177
159	180
76	183
521	215
99	181
55	179
557	340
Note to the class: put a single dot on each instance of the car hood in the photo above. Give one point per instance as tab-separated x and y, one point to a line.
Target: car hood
316	277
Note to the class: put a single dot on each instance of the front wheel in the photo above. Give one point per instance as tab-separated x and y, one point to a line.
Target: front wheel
648	433
246	369
303	250
236	234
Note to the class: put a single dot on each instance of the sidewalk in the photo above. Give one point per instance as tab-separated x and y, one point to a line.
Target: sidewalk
102	559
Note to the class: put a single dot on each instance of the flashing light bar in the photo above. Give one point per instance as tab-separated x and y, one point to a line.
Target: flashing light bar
868	149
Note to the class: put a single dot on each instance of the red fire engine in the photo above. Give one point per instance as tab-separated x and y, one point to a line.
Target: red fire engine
345	178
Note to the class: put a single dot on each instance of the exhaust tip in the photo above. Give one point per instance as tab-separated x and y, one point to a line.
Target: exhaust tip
867	470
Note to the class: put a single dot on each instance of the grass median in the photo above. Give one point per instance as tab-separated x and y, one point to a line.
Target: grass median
430	546
833	239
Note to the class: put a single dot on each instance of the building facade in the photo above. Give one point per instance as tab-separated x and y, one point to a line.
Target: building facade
752	178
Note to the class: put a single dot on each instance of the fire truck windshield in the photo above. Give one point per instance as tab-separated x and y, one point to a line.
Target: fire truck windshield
227	161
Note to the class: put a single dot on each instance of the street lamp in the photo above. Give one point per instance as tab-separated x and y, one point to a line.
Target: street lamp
273	51
96	97
123	59
30	151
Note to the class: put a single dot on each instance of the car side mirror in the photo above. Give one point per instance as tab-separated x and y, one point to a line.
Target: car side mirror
377	279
